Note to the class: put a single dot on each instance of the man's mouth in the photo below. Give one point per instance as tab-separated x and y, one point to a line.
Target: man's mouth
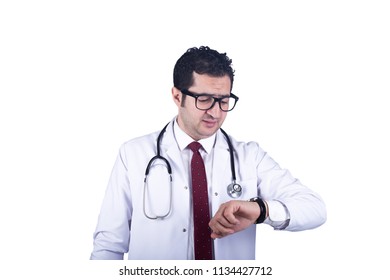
210	123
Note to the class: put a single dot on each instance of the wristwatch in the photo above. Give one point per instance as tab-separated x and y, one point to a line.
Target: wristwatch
263	209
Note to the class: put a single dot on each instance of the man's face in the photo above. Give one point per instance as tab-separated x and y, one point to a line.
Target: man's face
197	123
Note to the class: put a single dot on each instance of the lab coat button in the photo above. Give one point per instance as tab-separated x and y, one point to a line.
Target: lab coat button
184	230
185	187
216	194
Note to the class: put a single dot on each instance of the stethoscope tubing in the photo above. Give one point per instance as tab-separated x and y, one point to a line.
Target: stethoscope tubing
232	167
234	190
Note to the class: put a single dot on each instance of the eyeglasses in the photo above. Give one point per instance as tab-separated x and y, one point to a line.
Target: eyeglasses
205	101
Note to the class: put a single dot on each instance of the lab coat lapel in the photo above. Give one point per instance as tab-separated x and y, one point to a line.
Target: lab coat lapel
221	166
222	156
170	147
181	208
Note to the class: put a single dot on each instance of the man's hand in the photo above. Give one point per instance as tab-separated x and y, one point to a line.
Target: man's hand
233	216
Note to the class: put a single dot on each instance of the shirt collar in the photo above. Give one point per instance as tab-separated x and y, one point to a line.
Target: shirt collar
183	139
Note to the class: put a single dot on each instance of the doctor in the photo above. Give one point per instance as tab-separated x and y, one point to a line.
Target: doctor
155	216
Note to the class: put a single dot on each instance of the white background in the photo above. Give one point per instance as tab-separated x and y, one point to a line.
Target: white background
78	78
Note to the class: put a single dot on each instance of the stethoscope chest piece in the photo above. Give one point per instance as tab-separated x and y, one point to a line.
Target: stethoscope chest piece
234	190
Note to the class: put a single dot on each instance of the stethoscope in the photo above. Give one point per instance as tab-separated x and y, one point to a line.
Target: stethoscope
234	189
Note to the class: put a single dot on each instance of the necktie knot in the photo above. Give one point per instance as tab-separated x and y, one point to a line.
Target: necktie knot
195	146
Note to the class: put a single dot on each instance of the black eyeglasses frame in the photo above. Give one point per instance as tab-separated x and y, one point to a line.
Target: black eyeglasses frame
216	99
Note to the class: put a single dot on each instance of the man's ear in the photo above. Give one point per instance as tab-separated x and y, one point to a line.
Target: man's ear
176	96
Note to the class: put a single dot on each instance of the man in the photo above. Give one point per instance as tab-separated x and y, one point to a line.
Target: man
186	206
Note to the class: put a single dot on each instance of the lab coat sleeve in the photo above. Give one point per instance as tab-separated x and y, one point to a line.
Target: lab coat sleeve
112	235
276	185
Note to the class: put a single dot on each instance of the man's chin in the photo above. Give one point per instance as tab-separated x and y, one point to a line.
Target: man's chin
209	131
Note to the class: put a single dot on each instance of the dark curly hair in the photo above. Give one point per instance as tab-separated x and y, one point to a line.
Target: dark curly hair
202	60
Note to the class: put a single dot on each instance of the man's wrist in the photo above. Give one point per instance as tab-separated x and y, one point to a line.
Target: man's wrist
263	209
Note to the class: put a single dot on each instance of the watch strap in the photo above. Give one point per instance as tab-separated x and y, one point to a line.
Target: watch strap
263	209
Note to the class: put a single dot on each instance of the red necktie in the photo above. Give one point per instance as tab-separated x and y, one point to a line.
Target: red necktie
202	239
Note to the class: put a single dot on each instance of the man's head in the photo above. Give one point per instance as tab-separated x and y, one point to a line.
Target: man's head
203	74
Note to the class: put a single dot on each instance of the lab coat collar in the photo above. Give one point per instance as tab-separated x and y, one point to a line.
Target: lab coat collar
183	139
170	145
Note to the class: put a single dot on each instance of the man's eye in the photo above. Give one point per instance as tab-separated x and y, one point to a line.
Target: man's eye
204	99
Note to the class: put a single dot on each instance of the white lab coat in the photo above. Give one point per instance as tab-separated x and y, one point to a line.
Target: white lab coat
122	226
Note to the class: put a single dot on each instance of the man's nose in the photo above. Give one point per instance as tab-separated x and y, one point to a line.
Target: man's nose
215	111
